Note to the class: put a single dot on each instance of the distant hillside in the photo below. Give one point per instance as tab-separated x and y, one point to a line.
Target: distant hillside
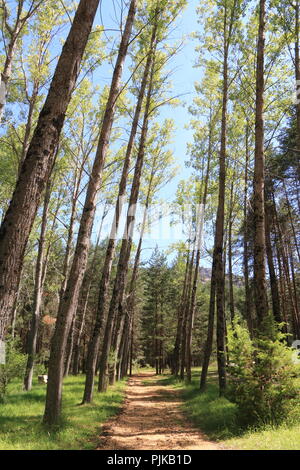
205	275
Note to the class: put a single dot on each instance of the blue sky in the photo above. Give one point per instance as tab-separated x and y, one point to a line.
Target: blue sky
183	79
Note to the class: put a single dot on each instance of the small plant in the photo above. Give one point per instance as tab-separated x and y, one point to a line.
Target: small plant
261	376
13	368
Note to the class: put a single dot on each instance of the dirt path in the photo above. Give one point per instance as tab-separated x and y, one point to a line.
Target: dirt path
151	419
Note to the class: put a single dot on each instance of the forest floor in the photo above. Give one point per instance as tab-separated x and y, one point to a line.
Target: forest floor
152	418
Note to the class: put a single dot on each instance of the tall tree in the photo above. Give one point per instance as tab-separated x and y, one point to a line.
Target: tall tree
69	300
261	303
106	272
38	291
119	282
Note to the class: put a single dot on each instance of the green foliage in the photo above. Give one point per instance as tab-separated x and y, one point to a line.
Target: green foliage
261	375
13	368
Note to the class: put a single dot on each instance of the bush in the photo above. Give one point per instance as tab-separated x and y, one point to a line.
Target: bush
13	368
261	376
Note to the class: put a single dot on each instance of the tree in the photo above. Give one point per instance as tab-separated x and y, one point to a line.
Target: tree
38	290
105	277
12	30
227	20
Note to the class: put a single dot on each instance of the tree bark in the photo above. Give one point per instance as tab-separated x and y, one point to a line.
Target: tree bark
230	273
286	271
127	301
38	293
83	302
269	251
36	168
261	303
197	266
106	271
122	267
297	72
67	257
176	350
219	237
291	220
294	290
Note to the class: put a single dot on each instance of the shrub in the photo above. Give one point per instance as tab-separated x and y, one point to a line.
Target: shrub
13	368
261	376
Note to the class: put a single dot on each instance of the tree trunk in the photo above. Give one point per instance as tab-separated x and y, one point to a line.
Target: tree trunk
67	257
69	301
210	329
219	236
38	293
230	273
36	168
291	220
83	302
211	313
7	69
122	268
197	266
106	271
69	349
272	273
131	347
294	290
282	287
127	301
261	303
28	127
297	72
13	33
176	351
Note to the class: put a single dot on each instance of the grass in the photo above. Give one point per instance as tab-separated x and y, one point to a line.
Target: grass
21	428
216	417
21	415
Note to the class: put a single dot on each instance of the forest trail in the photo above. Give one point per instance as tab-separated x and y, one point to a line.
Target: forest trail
151	419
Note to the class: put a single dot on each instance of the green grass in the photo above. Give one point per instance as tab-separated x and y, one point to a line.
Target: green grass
216	417
21	415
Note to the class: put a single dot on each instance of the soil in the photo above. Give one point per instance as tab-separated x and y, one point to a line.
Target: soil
151	419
